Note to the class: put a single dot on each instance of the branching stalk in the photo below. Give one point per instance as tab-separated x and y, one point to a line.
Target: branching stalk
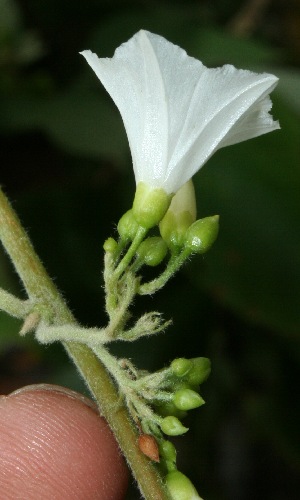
12	305
42	291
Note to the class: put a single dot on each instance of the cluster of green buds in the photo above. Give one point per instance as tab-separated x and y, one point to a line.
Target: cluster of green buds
176	392
157	402
181	235
158	231
188	374
180	229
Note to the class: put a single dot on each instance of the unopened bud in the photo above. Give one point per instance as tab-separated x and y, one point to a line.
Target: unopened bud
201	368
152	251
168	408
110	245
127	226
180	487
179	217
181	366
202	234
187	399
171	426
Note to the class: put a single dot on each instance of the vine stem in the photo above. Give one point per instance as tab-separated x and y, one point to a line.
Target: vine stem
43	293
12	305
140	235
174	264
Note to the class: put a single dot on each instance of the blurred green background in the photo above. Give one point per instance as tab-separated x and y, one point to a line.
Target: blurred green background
65	164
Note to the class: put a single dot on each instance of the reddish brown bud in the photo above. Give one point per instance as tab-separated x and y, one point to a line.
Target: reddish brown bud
148	446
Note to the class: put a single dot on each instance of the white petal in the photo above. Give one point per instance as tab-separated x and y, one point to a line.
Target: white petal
152	82
255	122
176	111
228	106
133	79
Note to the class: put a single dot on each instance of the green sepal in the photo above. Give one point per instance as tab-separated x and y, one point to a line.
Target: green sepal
173	228
201	235
171	426
150	205
180	487
187	399
201	368
179	217
168	408
127	226
152	251
181	366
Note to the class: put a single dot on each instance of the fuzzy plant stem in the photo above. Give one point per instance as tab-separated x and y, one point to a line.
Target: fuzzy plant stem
12	305
42	292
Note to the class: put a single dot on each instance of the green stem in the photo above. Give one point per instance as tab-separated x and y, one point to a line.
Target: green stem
140	235
127	386
41	288
174	264
112	365
12	305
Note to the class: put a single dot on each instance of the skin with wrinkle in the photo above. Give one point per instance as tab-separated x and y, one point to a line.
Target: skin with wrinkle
53	446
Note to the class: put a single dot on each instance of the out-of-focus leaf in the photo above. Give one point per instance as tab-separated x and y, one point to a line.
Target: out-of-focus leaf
8	329
29	48
273	418
254	267
17	44
211	45
216	47
80	121
9	18
289	86
121	25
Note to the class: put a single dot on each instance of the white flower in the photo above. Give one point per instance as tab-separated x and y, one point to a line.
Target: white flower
176	111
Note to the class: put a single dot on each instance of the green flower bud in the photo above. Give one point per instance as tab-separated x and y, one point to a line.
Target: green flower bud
179	217
171	426
168	408
110	245
200	371
181	366
202	234
152	251
150	205
187	399
180	487
167	450
127	226
173	228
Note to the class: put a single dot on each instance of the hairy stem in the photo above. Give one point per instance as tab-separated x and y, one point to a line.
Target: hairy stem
12	305
41	289
140	235
174	264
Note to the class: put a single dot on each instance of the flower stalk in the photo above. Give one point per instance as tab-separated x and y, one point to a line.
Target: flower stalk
12	305
44	296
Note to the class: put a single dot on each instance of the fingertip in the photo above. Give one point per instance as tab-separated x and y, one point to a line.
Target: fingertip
55	445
